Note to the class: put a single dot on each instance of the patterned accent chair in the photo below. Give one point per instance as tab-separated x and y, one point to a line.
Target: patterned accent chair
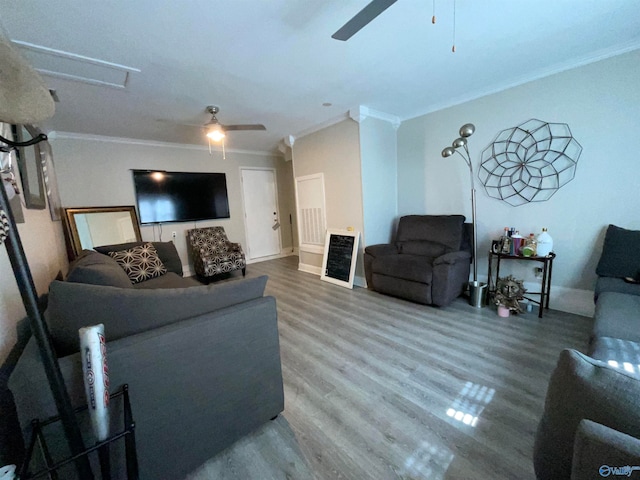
213	253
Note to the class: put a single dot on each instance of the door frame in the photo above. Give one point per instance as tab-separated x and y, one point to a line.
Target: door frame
244	213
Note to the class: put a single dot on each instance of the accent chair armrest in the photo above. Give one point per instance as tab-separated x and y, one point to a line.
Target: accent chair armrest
381	249
598	449
452	258
235	247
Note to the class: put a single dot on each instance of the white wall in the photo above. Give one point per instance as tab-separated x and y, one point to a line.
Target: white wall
43	243
96	171
335	152
378	152
600	103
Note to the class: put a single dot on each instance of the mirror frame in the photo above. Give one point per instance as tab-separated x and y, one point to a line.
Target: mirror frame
72	229
30	166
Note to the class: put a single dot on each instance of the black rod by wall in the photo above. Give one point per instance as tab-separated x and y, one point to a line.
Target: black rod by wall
41	332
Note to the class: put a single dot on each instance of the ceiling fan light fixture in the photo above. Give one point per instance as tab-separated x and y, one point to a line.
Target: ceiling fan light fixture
215	132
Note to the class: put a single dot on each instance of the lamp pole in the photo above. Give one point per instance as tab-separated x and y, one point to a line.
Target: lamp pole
41	333
460	146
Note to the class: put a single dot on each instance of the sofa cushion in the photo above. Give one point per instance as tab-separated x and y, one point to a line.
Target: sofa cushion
617	315
423	247
140	263
127	311
612	284
582	388
416	268
444	229
620	255
166	251
617	352
97	269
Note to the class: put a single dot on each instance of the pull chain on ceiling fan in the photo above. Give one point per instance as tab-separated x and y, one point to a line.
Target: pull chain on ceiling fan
371	11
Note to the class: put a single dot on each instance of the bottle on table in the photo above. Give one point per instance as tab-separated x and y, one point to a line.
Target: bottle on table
529	250
517	242
545	243
506	241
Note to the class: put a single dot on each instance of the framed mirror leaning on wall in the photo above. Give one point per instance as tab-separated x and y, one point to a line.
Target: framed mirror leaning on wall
90	227
29	163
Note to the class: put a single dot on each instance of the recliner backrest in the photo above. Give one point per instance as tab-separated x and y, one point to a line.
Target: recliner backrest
449	231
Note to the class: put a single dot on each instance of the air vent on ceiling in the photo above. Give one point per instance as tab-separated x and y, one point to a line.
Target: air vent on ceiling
71	66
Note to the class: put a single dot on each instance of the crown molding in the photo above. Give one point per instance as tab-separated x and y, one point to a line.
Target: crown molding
150	143
538	75
361	113
315	128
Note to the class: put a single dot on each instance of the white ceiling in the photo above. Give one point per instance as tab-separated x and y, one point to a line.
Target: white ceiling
274	61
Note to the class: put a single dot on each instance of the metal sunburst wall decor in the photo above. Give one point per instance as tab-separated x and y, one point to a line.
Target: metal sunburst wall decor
530	162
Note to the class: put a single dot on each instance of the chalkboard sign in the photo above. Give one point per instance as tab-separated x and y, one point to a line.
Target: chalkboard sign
340	253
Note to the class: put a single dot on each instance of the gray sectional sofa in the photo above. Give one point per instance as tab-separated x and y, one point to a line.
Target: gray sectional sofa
202	361
591	420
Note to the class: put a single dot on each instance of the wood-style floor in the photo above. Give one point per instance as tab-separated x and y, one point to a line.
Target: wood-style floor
380	388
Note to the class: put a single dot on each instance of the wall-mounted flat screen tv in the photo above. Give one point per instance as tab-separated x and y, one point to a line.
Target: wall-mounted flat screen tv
180	196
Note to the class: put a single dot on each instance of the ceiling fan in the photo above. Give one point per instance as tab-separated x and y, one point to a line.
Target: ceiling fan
362	19
216	131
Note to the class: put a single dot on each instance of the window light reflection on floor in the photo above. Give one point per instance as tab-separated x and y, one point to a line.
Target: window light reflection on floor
470	403
427	461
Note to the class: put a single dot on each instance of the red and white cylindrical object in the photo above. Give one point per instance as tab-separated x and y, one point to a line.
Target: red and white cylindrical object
93	350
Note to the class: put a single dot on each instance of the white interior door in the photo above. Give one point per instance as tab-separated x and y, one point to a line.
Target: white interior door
262	219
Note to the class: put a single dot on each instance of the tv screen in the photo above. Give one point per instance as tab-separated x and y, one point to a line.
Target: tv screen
180	196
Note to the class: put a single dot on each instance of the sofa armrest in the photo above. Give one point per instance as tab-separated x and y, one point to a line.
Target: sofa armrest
381	249
452	258
597	449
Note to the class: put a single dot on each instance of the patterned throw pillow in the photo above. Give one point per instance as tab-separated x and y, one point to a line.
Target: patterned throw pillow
141	263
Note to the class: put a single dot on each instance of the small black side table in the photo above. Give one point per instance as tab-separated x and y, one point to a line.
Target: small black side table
545	286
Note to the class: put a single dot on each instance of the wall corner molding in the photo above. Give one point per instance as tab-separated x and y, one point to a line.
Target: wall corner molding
361	113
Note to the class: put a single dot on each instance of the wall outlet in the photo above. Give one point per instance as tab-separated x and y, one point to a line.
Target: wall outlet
538	272
173	234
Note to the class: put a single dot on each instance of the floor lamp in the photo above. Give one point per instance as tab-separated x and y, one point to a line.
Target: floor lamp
477	290
26	100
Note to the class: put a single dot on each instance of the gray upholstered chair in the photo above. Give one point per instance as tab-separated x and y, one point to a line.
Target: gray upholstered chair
428	263
213	253
590	421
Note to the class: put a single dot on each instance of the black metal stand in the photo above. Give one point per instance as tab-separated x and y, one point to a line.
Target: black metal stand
545	286
40	331
52	467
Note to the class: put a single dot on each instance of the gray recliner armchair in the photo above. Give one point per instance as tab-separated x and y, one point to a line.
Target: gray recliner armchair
429	262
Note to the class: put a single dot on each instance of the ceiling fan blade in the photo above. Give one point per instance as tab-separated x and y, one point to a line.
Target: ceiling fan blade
255	126
362	18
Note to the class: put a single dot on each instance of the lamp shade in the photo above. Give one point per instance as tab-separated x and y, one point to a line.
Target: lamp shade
459	142
24	97
467	130
447	152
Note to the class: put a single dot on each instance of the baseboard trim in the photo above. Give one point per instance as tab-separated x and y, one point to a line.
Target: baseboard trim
572	300
569	300
282	254
359	281
305	267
